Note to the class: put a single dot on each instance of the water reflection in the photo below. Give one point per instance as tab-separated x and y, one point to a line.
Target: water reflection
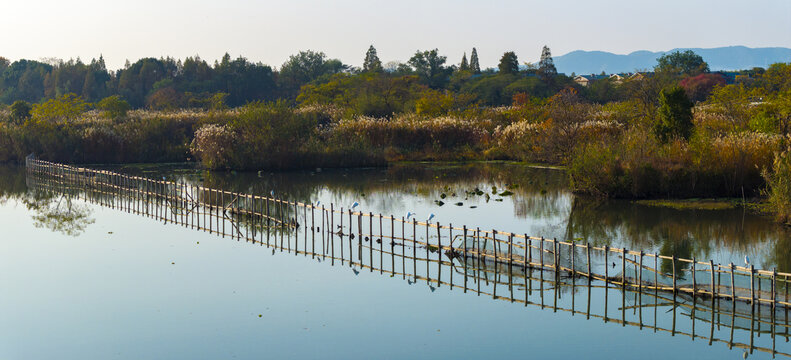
537	202
734	324
56	211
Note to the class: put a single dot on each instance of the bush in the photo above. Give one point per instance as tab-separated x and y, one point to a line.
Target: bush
20	111
674	116
113	106
638	166
779	185
66	108
213	145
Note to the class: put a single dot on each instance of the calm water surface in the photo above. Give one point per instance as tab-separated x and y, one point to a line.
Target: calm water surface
83	281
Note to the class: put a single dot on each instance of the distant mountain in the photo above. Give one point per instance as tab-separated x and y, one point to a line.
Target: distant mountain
722	58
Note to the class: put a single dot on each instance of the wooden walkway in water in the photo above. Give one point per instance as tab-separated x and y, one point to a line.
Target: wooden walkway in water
252	217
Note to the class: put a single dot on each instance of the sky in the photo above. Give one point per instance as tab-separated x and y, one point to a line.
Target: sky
270	31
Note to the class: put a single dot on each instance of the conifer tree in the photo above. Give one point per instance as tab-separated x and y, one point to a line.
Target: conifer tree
372	62
546	66
475	67
509	64
465	66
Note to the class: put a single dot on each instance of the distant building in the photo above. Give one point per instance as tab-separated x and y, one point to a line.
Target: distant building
585	80
618	79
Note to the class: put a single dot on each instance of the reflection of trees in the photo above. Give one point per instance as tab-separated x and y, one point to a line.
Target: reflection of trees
687	233
537	193
12	183
58	213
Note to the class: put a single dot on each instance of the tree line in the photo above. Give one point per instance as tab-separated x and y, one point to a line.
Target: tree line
168	83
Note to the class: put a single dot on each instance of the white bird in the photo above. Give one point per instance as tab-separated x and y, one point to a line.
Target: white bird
430	217
746	260
355	205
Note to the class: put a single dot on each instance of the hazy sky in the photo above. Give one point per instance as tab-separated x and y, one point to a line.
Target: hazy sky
270	31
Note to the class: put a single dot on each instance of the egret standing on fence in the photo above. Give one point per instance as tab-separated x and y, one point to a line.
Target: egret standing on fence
746	261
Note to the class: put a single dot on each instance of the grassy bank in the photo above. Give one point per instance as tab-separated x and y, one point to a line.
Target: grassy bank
656	146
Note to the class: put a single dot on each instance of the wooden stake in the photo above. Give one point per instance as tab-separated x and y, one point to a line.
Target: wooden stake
733	284
673	263
713	285
588	255
752	284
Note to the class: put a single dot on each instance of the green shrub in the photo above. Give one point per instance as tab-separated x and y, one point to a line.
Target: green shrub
68	107
113	106
20	111
674	116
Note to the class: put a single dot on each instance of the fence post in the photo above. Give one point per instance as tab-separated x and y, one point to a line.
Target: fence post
694	280
752	284
541	252
656	271
606	265
623	267
573	248
733	284
640	277
774	287
673	263
713	285
526	259
588	255
556	256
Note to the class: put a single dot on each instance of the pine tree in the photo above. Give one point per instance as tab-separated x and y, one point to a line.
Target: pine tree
475	67
372	62
508	64
546	66
465	66
674	116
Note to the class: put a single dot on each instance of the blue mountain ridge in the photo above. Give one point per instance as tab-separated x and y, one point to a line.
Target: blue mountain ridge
721	58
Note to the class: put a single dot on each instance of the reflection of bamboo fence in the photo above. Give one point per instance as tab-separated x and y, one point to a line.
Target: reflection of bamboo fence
488	263
224	213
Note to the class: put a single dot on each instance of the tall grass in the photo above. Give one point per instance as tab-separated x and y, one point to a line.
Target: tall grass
779	189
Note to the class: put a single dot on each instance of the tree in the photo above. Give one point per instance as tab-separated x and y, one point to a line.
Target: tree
682	63
4	64
305	67
114	106
372	62
546	66
674	116
509	64
429	65
475	66
699	87
20	111
465	66
66	108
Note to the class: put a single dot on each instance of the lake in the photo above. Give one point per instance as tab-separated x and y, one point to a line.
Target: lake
86	279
